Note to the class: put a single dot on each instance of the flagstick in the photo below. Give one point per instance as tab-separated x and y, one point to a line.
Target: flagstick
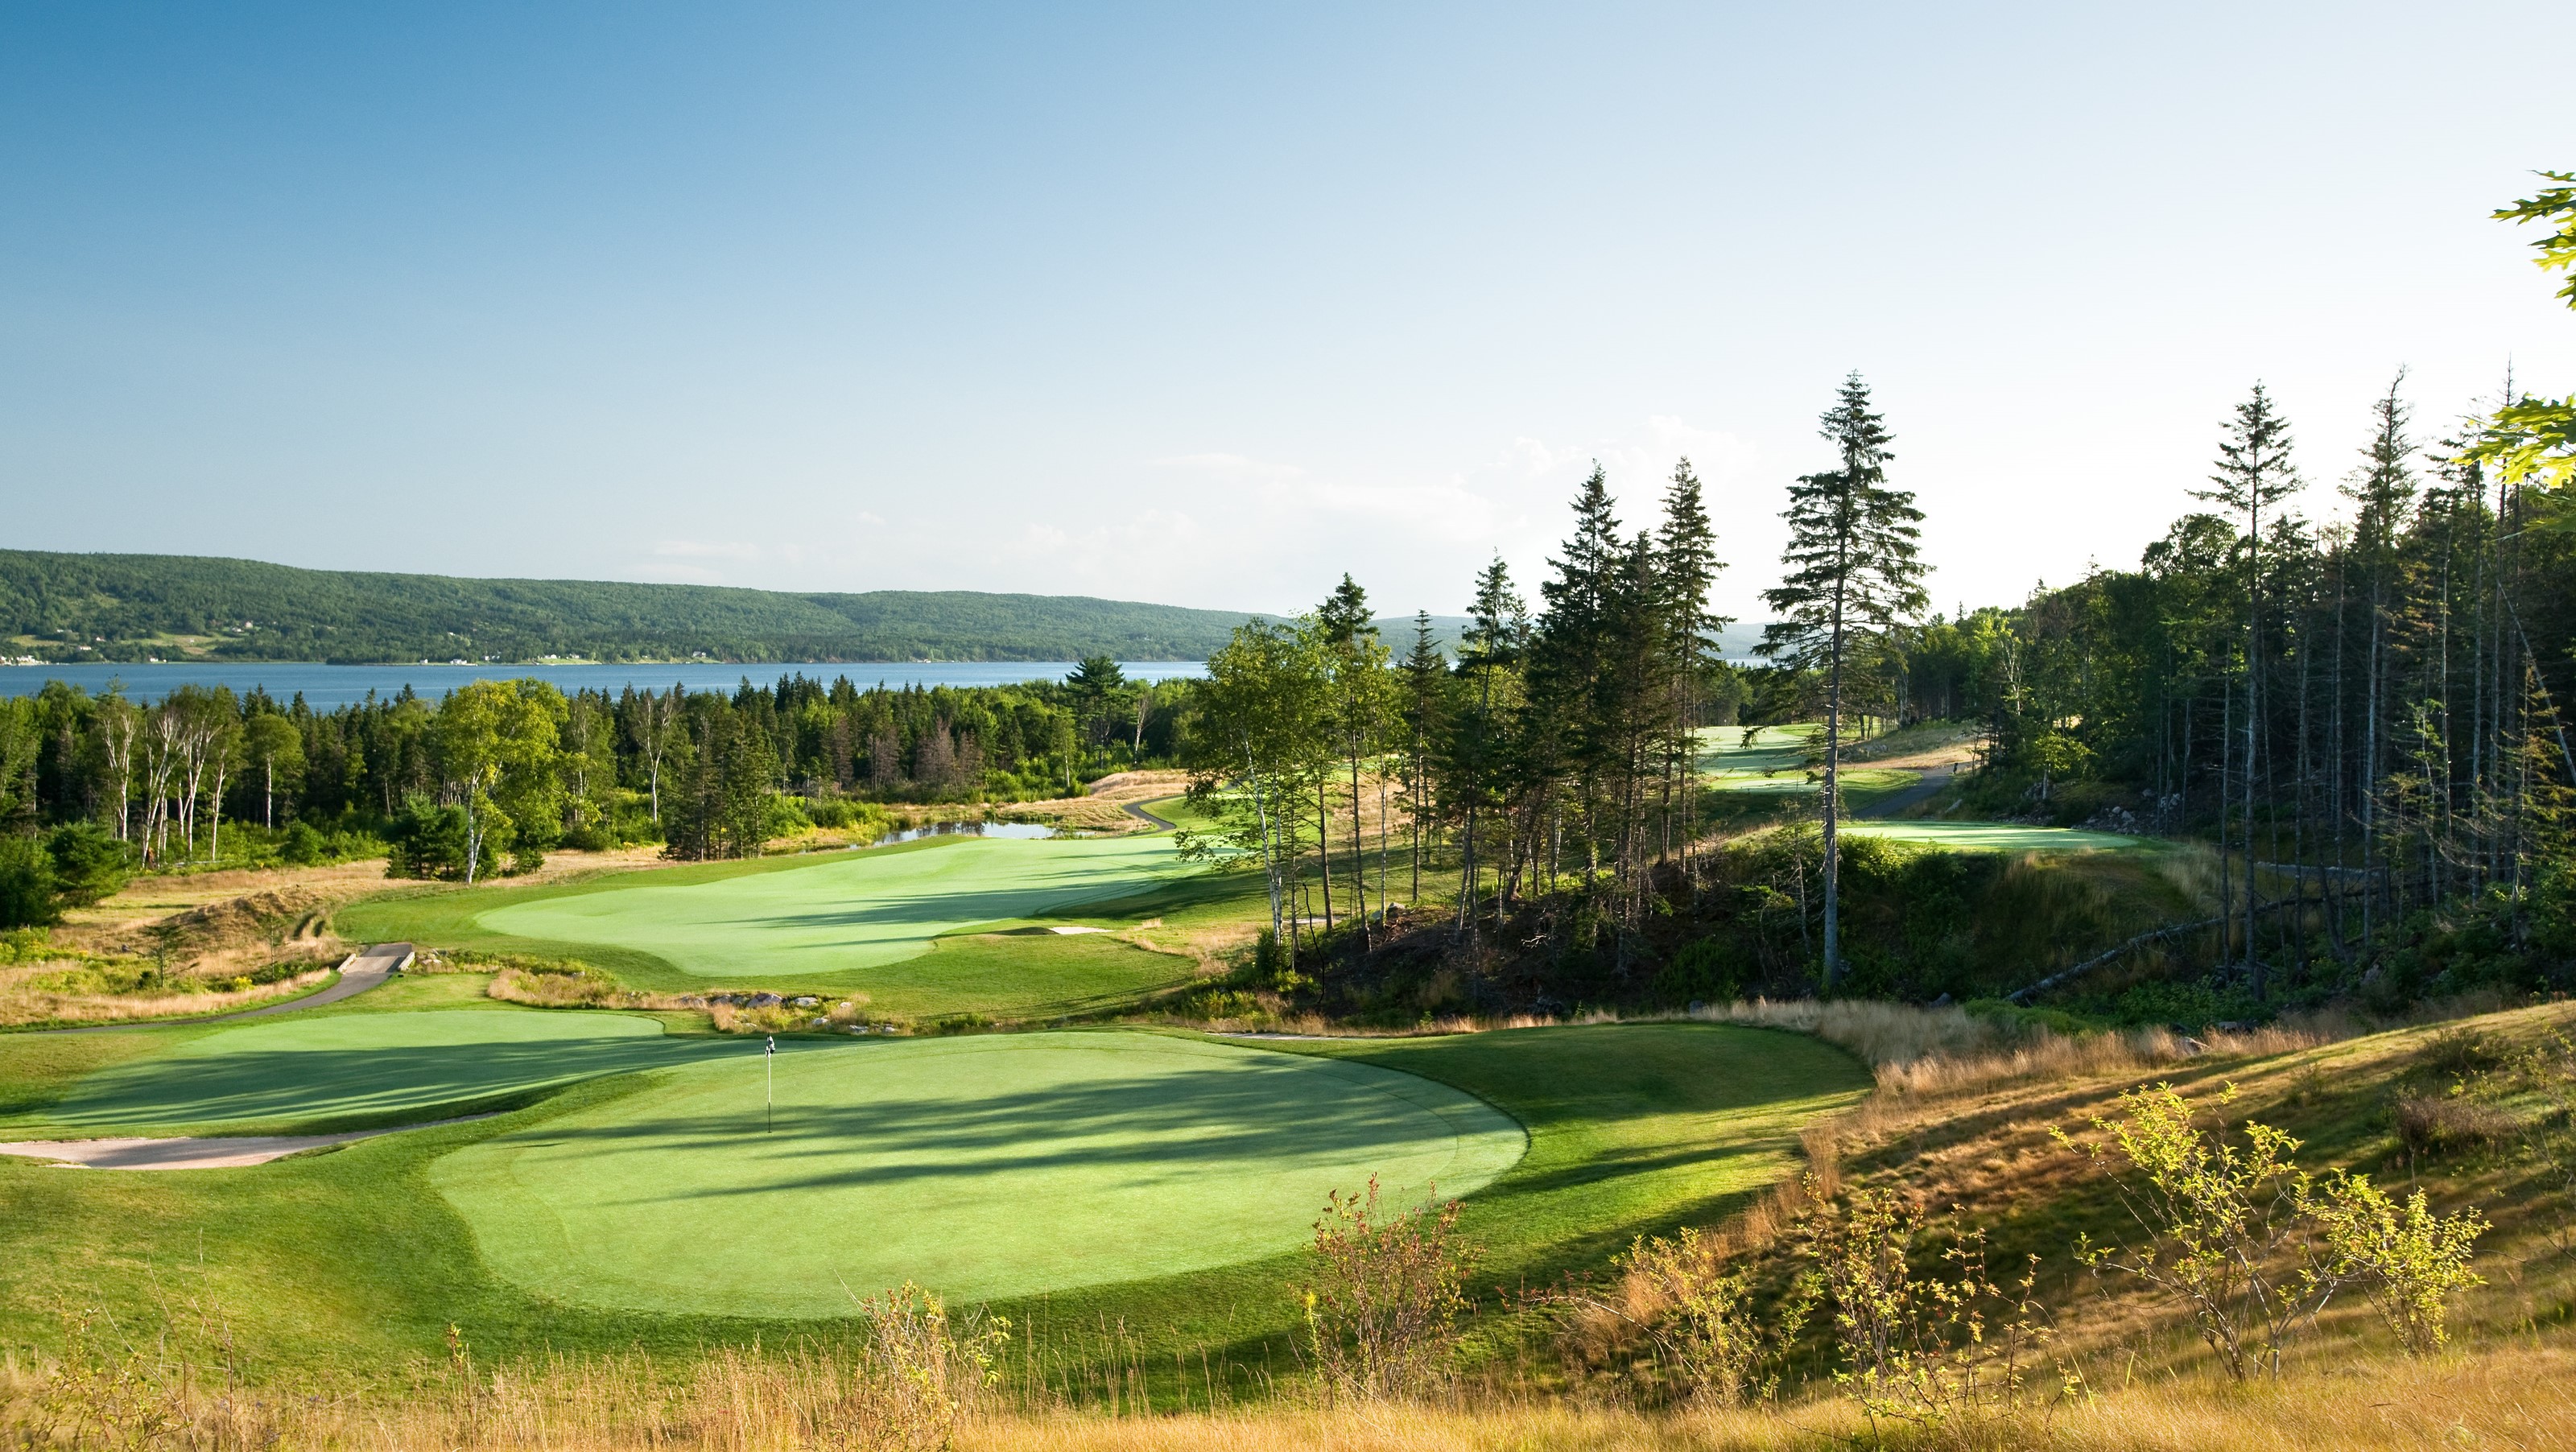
770	1058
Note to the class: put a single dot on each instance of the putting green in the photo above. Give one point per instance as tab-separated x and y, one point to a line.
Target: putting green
1992	836
860	911
356	1068
983	1168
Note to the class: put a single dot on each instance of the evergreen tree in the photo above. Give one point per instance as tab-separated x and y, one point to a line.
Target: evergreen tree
1853	568
2254	474
1426	679
1687	567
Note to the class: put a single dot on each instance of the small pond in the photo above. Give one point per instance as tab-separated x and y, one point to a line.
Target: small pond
1027	830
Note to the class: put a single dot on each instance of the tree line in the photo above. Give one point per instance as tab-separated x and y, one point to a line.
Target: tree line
489	777
2365	716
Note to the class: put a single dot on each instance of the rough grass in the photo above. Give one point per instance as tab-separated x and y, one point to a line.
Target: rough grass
23	1004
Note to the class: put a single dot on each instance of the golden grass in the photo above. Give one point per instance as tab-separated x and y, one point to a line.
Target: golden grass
21	1004
2507	1395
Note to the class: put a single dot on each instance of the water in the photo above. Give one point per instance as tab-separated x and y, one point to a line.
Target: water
1026	831
327	686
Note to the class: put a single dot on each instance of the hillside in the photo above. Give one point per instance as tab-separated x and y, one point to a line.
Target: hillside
65	607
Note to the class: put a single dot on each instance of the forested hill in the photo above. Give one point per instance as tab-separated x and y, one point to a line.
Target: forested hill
62	607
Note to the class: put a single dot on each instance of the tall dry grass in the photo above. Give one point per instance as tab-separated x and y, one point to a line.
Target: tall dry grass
22	1004
1925	1052
766	1401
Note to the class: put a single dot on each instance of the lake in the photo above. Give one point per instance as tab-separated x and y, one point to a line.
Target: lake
326	686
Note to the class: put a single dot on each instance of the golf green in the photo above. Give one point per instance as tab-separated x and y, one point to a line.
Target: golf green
1992	836
859	911
983	1168
340	1069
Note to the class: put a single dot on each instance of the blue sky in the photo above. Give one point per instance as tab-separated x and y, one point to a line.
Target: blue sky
1207	306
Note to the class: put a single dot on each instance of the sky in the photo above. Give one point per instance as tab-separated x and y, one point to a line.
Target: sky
1208	305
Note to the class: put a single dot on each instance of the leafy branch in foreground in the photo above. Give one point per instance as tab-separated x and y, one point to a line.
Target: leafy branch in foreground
2535	439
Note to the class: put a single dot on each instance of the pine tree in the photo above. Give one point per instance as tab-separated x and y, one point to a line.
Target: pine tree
1853	567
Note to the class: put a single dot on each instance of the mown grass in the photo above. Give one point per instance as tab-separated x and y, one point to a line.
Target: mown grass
997	974
350	1260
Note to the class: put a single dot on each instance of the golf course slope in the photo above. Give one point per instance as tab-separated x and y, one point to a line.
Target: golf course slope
985	1168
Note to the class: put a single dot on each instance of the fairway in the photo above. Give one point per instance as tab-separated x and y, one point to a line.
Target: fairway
864	910
352	1069
983	1168
1993	836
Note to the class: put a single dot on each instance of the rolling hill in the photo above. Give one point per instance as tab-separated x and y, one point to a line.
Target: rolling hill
66	607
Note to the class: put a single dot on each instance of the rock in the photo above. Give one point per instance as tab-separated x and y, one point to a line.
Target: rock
1942	1002
765	1000
808	1001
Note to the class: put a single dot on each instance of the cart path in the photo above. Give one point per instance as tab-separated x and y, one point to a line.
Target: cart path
1925	788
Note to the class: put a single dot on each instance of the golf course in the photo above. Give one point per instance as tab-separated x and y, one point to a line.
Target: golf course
606	1176
923	928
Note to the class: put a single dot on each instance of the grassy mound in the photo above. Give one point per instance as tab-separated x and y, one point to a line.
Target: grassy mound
922	1161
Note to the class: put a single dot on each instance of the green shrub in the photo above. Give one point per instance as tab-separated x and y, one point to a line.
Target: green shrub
428	841
89	863
301	846
29	894
2405	1258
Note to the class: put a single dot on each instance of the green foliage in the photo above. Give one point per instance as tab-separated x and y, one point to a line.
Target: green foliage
428	840
1914	1346
2407	1259
301	846
89	863
1708	1339
28	890
2219	1216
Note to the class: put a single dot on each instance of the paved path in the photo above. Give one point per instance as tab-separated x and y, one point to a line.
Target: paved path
1925	788
363	970
1137	809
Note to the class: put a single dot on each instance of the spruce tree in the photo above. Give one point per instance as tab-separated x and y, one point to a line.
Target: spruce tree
1687	566
2253	474
1426	678
1853	568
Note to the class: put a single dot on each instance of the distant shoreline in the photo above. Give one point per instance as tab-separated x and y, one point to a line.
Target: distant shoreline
325	685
